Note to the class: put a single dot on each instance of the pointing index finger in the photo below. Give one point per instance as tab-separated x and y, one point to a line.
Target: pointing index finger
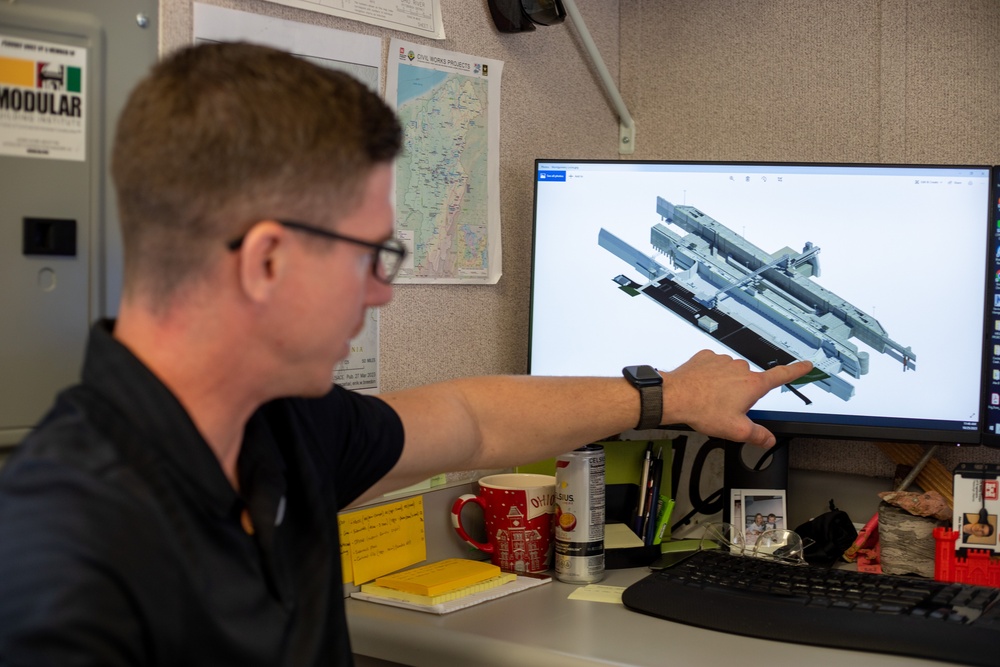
780	375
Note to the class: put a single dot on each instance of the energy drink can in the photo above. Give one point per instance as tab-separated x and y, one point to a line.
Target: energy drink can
579	553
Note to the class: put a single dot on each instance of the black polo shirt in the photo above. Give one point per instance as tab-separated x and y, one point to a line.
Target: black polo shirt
122	542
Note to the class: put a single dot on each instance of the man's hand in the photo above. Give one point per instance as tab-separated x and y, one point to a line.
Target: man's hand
711	393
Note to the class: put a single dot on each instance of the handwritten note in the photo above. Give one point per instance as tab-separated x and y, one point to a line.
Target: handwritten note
382	539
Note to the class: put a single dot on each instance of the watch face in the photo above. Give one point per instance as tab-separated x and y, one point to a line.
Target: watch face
642	375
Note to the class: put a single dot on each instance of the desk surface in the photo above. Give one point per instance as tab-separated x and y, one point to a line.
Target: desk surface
540	626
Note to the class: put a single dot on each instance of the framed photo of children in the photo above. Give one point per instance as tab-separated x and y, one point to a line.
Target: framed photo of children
755	511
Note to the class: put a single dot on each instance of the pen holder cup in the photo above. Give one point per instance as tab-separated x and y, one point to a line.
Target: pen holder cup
621	501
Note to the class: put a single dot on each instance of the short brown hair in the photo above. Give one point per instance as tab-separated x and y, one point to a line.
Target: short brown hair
219	136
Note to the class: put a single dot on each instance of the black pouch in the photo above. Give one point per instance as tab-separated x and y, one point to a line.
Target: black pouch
831	534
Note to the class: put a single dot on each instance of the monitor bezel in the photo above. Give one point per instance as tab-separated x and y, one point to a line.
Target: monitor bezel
990	335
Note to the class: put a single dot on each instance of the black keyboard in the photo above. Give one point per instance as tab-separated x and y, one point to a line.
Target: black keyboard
825	607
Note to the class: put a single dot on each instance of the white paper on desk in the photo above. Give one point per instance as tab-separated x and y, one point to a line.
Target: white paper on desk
519	584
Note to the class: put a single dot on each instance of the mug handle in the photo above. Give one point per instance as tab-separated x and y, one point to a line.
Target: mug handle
456	520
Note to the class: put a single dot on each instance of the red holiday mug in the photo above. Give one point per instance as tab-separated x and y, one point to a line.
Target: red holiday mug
518	509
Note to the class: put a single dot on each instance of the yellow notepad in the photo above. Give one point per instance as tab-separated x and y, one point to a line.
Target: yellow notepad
438	578
391	593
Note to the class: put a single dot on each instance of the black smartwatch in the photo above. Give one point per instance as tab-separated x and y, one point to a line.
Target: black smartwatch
648	382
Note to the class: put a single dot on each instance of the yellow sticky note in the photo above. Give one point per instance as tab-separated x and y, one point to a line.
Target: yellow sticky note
382	539
599	593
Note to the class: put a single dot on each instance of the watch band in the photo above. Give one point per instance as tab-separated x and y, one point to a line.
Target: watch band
649	384
651	407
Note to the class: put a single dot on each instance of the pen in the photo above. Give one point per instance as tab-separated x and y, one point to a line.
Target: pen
653	495
640	514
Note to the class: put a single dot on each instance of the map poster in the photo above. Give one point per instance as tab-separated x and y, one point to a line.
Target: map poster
42	99
448	176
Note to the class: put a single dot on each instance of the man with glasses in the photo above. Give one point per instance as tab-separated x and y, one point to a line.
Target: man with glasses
179	506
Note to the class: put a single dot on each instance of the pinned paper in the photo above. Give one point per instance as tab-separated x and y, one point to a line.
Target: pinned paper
379	540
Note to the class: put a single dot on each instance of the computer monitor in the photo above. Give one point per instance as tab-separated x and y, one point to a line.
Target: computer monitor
878	274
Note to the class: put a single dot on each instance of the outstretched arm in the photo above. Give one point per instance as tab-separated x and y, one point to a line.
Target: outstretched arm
500	421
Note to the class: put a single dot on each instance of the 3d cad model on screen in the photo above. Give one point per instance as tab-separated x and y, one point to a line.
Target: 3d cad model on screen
765	307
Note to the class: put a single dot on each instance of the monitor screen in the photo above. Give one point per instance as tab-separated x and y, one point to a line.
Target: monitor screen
878	274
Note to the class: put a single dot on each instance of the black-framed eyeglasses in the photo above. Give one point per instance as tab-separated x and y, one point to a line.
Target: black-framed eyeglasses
387	257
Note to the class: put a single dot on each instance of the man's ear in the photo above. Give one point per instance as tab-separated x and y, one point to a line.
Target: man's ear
263	260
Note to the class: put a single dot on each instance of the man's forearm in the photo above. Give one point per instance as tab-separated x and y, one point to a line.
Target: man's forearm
500	421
